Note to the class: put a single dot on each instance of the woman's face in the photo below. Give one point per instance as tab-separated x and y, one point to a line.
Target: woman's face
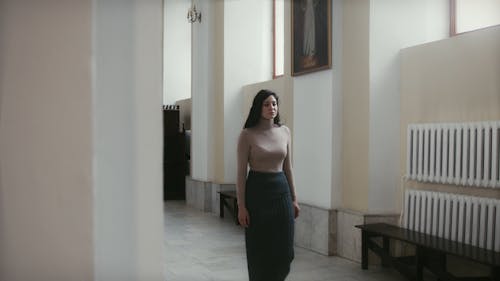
269	108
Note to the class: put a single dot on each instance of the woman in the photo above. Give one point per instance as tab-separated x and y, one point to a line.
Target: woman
267	204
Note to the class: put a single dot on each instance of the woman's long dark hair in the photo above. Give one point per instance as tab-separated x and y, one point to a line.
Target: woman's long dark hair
256	110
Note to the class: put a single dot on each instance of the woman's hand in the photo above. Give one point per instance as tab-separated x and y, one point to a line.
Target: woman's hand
243	217
296	208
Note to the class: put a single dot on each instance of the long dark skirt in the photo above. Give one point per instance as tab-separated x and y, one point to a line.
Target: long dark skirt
269	237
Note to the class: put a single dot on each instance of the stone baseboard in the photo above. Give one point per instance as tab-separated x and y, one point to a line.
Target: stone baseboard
203	195
349	237
315	229
199	194
333	232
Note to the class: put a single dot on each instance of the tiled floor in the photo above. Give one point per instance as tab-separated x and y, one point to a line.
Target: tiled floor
202	247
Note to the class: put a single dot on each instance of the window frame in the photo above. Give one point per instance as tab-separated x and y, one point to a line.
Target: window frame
453	18
275	76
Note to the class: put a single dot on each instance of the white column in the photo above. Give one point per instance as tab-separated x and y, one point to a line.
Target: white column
127	98
203	93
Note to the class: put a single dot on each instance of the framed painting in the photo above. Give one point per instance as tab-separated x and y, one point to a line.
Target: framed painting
311	36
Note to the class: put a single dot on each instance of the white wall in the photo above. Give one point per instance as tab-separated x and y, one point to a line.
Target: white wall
476	14
177	51
148	191
127	97
317	111
337	120
232	47
247	60
312	149
393	25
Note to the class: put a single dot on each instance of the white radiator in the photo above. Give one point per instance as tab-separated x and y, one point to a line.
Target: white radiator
465	154
466	219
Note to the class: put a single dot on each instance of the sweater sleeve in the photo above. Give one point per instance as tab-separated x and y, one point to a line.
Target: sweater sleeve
242	165
287	164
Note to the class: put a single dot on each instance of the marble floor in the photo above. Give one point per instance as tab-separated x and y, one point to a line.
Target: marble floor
202	247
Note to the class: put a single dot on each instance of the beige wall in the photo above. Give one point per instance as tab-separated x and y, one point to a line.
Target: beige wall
453	80
45	141
355	81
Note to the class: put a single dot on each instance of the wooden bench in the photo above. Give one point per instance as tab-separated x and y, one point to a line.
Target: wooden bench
225	197
431	252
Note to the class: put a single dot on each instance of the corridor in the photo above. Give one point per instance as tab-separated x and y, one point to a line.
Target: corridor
202	247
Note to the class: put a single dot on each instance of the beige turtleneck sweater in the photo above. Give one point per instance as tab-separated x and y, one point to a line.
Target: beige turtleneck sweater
264	148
